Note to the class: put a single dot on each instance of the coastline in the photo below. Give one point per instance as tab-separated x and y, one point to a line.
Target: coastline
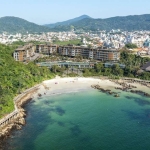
60	86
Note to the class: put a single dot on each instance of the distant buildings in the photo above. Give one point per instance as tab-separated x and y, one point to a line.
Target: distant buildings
92	46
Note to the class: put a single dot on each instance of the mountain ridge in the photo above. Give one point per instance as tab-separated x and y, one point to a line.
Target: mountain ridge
67	22
131	22
12	24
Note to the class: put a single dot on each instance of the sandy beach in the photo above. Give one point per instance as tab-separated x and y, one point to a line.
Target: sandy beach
67	85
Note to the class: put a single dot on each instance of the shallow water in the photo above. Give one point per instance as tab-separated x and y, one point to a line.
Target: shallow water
87	120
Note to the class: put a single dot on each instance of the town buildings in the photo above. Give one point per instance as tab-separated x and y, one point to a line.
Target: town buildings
100	45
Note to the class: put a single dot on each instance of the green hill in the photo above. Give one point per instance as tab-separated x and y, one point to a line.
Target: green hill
84	22
129	23
16	77
68	22
15	24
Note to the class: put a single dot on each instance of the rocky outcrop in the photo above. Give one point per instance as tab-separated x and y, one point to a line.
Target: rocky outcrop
17	123
140	92
105	90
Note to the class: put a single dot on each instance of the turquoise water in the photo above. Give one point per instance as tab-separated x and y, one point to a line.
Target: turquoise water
87	120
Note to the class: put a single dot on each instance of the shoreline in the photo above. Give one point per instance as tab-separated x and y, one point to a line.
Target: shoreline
60	86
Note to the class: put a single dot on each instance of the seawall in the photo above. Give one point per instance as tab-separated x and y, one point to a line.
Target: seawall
16	119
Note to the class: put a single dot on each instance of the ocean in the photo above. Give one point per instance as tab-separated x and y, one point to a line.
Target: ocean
85	120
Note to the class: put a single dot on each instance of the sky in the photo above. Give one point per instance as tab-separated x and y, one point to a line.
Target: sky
52	11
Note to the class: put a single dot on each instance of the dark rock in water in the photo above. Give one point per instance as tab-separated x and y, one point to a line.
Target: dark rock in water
110	92
129	97
116	95
39	94
33	101
61	124
75	130
142	102
59	111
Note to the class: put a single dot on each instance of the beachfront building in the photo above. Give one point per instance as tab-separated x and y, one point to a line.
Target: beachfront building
109	65
46	49
66	64
24	53
102	54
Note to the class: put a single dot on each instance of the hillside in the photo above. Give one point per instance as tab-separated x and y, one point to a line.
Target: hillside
136	22
16	77
68	22
84	22
15	24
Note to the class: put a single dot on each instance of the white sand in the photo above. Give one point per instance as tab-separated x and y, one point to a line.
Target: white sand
67	85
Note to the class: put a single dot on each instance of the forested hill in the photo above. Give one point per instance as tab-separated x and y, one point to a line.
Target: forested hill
68	22
18	25
129	23
16	77
84	22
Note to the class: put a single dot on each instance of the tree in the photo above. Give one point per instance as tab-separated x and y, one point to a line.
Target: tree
116	70
99	67
130	46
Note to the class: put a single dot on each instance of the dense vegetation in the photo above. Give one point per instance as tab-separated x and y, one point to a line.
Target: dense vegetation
18	25
131	46
132	69
128	23
68	22
16	77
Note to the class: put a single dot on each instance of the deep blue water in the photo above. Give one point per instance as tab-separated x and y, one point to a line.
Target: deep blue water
88	120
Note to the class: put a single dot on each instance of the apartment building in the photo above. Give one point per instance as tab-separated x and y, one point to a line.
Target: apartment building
46	49
24	53
101	53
